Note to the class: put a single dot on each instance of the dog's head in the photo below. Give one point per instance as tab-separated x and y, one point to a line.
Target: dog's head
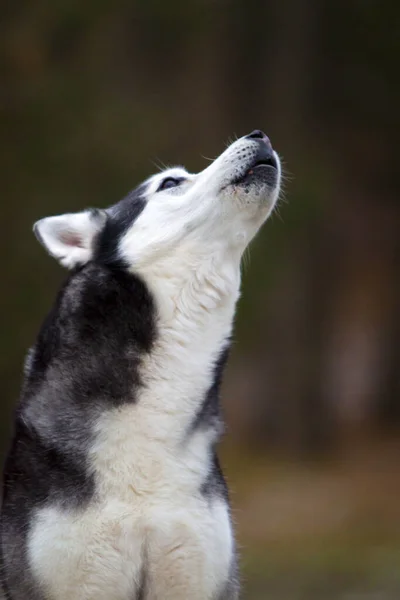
176	216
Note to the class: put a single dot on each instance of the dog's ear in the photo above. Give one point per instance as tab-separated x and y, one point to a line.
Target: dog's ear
70	238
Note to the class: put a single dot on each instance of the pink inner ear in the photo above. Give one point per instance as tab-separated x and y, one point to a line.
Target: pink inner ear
70	238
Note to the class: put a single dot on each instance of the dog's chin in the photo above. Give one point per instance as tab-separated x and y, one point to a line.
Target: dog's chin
256	200
257	188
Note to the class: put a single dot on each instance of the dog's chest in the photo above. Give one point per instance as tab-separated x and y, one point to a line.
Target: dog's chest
149	520
108	551
147	459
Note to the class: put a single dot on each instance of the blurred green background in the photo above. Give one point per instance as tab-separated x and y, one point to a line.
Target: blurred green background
95	94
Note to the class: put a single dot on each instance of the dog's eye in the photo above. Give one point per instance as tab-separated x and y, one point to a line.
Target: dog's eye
169	182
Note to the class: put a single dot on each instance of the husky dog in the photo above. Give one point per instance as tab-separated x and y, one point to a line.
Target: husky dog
112	487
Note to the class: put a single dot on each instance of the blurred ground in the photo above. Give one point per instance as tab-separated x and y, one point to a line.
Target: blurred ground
319	531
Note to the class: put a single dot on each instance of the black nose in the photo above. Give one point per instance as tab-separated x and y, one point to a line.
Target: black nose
257	134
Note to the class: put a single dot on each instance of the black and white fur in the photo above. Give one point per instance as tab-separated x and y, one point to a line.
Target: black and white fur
112	487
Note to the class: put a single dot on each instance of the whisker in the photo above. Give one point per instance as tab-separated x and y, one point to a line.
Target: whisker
276	212
246	259
159	164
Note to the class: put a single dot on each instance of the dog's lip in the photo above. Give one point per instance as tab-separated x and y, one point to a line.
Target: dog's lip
267	162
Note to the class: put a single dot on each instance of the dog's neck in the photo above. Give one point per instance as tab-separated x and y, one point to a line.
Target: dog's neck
195	302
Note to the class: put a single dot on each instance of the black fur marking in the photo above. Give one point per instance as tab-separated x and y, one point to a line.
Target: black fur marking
232	588
209	414
141	592
38	469
120	218
215	484
209	417
3	583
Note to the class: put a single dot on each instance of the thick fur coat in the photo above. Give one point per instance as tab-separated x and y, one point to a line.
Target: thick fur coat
112	486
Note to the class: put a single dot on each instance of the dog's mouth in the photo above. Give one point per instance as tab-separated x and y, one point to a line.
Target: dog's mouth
264	170
269	162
